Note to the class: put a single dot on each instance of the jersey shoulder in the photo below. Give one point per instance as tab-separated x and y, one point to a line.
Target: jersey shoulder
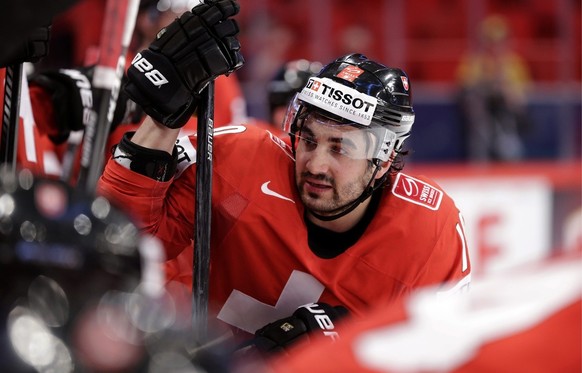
419	191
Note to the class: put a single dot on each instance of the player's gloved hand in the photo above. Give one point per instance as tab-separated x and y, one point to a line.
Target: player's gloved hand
73	103
308	320
193	50
30	49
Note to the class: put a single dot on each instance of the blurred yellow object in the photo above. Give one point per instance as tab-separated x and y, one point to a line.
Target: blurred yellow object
494	28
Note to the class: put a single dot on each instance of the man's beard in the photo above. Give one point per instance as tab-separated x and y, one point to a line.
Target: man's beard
339	200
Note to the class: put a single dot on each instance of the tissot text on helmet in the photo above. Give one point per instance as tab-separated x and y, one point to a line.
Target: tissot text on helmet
340	99
338	95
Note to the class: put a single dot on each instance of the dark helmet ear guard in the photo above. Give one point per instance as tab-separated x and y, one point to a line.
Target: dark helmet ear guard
356	91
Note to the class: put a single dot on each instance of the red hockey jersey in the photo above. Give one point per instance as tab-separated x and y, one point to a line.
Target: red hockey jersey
262	268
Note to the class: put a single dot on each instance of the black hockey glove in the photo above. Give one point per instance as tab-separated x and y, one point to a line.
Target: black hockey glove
310	319
73	102
30	49
193	50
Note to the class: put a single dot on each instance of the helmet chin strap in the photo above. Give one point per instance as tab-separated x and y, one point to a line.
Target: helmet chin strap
350	206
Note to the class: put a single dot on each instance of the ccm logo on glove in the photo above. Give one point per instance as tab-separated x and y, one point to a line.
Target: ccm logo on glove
153	75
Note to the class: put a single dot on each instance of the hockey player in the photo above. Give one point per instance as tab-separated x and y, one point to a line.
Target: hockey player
329	219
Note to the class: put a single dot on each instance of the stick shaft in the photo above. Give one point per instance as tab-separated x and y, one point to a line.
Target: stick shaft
115	38
10	116
203	209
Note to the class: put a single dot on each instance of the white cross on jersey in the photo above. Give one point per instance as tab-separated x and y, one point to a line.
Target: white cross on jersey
249	314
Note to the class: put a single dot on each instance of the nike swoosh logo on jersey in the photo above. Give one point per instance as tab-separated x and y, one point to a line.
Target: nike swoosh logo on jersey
265	189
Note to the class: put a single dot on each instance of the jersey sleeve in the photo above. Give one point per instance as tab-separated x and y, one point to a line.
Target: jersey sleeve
167	209
168	216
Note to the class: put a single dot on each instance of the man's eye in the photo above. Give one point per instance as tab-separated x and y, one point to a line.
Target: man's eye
309	141
340	150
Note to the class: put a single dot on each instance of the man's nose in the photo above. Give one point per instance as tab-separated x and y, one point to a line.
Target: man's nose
319	160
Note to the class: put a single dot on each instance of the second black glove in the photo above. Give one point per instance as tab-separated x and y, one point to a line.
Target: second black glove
73	103
311	319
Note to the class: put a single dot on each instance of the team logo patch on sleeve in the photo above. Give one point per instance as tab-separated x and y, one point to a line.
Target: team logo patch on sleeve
417	191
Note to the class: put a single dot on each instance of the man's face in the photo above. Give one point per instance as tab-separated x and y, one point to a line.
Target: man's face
332	167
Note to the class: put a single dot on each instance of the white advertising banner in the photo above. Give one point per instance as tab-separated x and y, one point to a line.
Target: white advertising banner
508	220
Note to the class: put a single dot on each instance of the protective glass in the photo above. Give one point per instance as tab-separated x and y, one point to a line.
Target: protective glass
342	140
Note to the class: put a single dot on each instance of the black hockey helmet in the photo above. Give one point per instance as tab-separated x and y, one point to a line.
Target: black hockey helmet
357	91
290	79
75	274
46	222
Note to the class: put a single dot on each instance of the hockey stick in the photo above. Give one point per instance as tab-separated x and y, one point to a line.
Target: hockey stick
10	116
201	265
115	38
70	154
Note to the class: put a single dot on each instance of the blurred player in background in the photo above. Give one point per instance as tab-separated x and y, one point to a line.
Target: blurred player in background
286	83
493	81
82	289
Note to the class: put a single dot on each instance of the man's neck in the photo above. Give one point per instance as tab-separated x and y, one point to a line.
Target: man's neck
327	243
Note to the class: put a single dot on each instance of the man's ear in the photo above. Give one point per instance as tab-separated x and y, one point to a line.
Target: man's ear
384	167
